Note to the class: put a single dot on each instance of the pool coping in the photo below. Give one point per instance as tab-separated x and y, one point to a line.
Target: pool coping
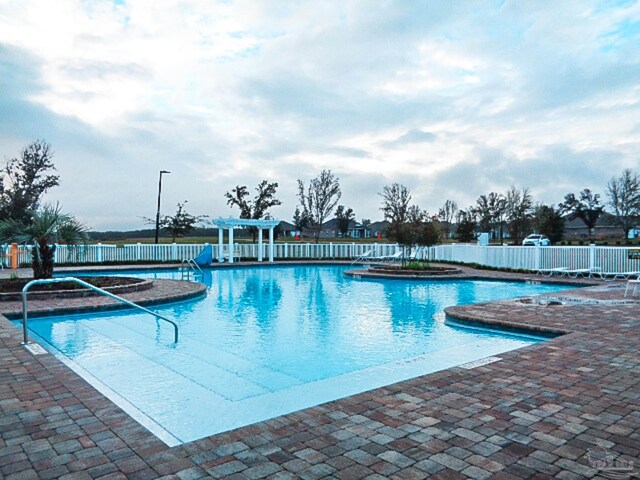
537	411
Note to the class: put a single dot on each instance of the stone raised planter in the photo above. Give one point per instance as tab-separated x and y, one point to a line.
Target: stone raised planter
125	285
420	272
390	272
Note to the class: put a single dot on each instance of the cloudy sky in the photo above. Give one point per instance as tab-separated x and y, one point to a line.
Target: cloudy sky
452	99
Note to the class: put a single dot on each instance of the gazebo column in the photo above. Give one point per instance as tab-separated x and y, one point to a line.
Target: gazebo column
220	243
271	244
230	244
259	244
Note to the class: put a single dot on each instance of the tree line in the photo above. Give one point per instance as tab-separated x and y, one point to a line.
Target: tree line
512	213
515	213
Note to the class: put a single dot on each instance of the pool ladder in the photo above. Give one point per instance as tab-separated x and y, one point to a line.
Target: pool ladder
45	281
187	267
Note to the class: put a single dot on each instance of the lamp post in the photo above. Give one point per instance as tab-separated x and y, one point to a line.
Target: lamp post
158	212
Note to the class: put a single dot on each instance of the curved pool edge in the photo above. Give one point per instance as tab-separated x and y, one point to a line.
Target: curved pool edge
462	315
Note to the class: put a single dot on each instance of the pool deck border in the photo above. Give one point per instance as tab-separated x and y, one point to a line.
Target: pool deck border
548	410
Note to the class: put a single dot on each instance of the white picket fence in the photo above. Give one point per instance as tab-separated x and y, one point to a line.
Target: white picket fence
175	252
609	259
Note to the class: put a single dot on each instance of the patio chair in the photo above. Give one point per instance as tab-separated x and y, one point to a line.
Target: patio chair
635	284
549	272
583	272
611	276
391	258
415	254
226	255
365	256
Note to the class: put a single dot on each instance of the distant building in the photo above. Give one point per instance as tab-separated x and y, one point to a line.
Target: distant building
606	227
288	229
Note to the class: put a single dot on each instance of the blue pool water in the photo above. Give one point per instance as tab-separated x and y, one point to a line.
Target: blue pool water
269	341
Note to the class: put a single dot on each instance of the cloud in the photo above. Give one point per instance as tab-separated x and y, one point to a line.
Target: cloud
451	99
412	136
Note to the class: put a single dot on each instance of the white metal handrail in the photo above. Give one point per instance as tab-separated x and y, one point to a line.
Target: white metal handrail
187	265
44	281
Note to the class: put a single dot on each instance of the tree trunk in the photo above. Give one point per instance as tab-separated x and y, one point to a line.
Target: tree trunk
42	262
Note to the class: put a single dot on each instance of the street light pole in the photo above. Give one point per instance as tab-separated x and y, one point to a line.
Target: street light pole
158	211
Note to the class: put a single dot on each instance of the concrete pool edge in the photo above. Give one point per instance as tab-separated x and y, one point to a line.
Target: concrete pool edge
600	336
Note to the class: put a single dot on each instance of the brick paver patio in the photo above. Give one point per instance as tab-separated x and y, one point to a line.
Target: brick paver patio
536	413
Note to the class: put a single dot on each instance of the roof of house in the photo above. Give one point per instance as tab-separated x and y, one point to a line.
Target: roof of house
606	220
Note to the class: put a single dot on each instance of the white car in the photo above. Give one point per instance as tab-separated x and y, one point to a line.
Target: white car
536	240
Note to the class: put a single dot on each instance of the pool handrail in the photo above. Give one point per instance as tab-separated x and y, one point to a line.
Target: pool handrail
44	281
189	263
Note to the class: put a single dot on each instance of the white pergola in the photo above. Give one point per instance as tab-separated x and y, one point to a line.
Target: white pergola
230	223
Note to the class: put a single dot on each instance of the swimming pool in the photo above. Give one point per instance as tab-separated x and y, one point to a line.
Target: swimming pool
269	341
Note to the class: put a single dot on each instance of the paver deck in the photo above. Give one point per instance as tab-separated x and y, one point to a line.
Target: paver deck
545	411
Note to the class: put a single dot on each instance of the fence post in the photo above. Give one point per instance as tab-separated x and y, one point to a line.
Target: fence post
537	257
592	255
174	251
55	253
331	249
99	253
138	247
286	250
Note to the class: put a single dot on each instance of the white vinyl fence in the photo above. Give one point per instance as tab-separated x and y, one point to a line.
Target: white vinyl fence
176	252
608	259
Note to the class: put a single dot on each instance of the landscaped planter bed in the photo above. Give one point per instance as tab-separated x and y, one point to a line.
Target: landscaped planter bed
422	272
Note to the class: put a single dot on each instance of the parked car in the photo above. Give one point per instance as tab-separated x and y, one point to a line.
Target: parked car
536	240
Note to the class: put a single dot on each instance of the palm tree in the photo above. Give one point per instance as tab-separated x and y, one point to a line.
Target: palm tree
46	227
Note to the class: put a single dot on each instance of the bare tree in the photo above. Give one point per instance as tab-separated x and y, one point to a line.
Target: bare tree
319	199
624	198
344	216
586	207
24	180
447	215
491	210
518	211
548	220
395	206
256	209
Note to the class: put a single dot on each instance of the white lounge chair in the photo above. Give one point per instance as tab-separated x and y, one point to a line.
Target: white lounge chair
611	276
415	254
635	284
583	272
391	258
365	256
549	272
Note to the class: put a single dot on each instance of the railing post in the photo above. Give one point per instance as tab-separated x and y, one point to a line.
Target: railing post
174	251
286	250
138	251
99	253
592	255
537	259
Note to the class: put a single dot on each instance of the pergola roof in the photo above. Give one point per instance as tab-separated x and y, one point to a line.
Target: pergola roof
231	222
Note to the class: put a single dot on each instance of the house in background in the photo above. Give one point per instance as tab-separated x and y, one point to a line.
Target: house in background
356	230
288	230
606	227
379	229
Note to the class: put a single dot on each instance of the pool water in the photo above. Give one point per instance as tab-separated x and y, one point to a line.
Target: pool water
269	341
